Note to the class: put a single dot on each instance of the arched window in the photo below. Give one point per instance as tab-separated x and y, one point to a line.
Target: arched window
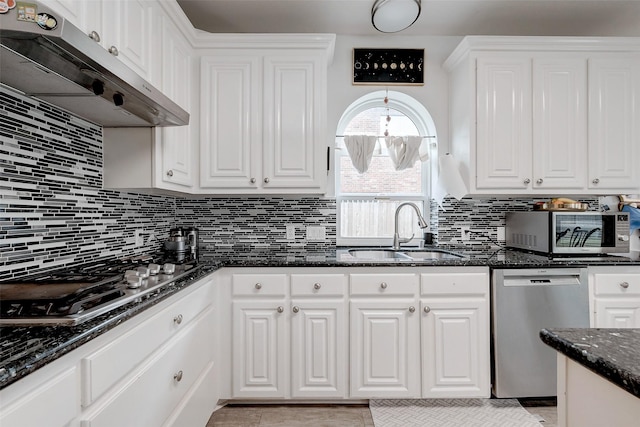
366	202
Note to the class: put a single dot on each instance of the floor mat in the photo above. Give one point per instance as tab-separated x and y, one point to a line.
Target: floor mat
450	413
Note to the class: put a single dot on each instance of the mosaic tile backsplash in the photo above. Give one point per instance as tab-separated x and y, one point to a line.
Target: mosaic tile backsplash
54	212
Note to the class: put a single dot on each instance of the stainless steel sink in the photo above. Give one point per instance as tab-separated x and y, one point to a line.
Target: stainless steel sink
378	254
432	254
404	254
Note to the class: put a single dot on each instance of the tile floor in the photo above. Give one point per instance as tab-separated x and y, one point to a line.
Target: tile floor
325	415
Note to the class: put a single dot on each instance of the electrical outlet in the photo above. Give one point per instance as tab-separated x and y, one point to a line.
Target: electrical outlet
500	234
138	237
291	232
316	233
465	232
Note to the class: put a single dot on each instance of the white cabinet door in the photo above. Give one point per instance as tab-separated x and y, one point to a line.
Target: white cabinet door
385	350
177	144
503	152
259	349
617	312
559	122
614	122
319	351
455	345
294	117
73	10
53	403
231	118
125	31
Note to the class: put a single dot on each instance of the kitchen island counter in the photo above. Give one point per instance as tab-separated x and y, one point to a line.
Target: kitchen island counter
611	353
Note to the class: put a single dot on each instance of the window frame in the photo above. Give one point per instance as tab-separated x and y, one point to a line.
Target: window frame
423	121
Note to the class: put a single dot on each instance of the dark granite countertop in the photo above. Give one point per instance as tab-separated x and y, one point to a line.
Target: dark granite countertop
611	353
25	349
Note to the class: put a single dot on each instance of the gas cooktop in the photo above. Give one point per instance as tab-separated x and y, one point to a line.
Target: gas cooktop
72	296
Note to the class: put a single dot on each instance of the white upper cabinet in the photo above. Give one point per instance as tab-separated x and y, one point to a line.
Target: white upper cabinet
546	115
614	122
263	114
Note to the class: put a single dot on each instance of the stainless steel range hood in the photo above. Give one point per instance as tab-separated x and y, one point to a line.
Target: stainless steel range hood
65	67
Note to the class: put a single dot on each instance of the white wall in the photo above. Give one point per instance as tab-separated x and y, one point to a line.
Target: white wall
433	95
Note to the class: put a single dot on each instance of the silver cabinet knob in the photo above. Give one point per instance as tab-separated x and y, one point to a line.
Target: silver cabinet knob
252	180
383	285
596	181
280	309
296	309
169	173
539	181
94	36
316	286
624	285
178	319
177	376
527	181
258	286
412	309
113	51
427	309
266	180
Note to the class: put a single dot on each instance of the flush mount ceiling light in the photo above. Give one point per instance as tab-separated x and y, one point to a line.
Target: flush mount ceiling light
391	16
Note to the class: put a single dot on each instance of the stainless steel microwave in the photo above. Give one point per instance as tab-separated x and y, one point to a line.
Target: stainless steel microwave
568	233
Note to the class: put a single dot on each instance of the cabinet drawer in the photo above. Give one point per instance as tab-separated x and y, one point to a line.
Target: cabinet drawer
108	365
617	284
384	284
53	404
259	284
318	284
459	283
161	383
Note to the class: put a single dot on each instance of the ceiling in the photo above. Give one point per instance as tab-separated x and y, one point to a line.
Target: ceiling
438	17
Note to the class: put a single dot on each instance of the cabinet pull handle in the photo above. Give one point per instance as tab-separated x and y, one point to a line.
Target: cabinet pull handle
527	181
258	286
296	309
412	309
177	376
280	309
317	286
94	36
266	180
539	181
383	285
113	51
596	181
252	181
178	319
624	285
427	309
169	172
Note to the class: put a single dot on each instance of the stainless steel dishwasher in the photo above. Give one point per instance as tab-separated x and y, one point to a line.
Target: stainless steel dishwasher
523	302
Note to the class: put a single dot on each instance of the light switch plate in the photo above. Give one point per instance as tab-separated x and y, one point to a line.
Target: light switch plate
316	233
291	232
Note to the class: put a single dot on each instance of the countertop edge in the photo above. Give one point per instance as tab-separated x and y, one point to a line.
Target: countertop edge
606	368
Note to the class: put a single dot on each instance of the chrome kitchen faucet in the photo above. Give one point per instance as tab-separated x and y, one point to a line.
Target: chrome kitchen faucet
421	221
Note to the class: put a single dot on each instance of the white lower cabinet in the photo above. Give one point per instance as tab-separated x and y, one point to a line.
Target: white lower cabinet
385	335
615	296
150	396
288	347
455	334
155	369
358	333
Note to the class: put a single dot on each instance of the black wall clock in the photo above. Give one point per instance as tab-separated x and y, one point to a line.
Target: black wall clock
388	66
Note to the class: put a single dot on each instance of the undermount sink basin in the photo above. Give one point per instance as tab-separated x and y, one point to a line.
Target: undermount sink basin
377	254
403	254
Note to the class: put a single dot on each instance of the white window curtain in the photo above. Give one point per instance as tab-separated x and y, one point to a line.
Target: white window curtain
404	151
360	149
